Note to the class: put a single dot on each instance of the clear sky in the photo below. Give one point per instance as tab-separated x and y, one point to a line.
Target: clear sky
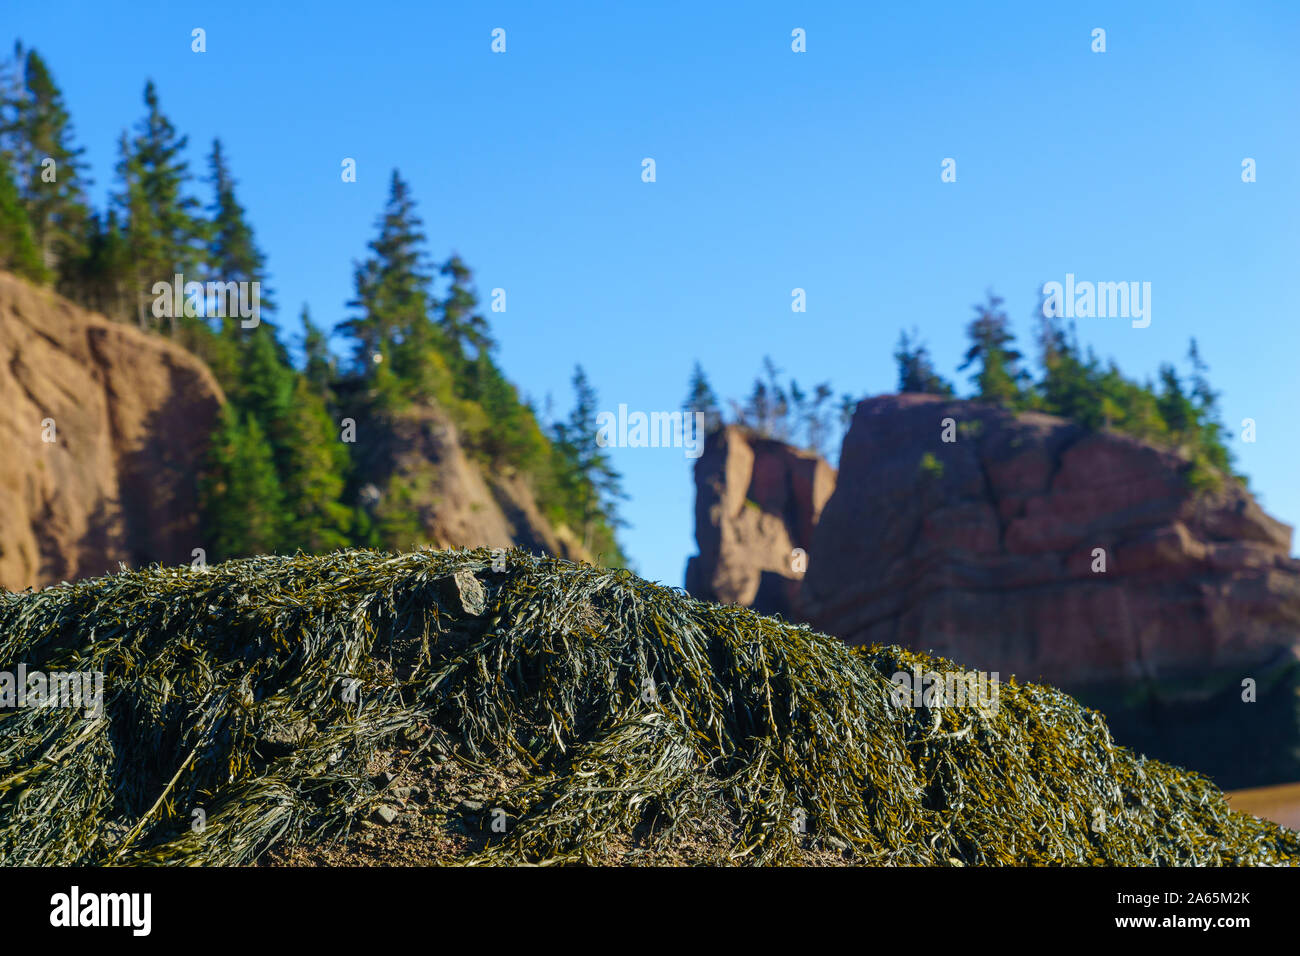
775	170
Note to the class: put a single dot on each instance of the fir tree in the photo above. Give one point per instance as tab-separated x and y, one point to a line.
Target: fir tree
591	480
313	476
999	378
464	329
701	398
18	249
239	492
318	365
36	131
915	370
392	330
163	232
232	252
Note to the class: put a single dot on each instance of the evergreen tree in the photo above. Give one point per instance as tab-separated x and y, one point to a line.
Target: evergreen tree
36	132
232	252
589	476
514	438
101	278
1176	408
915	370
464	329
18	249
312	476
701	398
999	378
163	233
392	330
239	492
319	365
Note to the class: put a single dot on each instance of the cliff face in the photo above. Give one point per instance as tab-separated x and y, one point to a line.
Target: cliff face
1028	546
414	462
756	502
1038	549
102	428
128	415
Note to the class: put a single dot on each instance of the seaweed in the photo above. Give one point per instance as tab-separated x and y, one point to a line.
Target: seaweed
245	702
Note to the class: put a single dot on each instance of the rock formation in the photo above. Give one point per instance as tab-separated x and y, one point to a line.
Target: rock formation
105	427
757	501
1027	545
102	428
414	460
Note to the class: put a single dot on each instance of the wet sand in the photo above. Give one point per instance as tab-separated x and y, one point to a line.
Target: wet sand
1281	804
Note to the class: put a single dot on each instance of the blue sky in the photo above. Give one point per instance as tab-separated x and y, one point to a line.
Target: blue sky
775	170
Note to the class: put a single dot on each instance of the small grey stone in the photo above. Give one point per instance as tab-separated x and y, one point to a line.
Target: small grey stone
465	592
472	805
385	814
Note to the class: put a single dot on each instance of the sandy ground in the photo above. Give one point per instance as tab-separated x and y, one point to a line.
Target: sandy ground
1281	804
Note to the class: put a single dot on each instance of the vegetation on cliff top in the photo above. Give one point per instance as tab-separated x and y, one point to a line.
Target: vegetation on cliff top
247	706
1182	412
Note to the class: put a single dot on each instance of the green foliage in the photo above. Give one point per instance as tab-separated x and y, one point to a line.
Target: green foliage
586	488
930	466
784	411
19	252
701	398
241	502
164	233
319	368
998	377
36	138
278	439
392	330
915	370
413	347
1098	396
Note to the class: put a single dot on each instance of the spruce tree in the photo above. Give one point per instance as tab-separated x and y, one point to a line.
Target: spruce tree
392	330
916	372
163	231
701	398
239	492
464	330
19	252
102	278
36	132
591	481
999	378
232	252
319	365
313	476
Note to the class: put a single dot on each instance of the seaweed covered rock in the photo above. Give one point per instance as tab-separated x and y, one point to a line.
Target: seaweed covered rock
246	707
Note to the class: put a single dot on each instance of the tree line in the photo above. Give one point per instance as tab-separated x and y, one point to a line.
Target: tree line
278	476
1177	410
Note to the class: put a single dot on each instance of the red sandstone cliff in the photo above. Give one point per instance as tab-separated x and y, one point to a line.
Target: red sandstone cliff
757	501
988	549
